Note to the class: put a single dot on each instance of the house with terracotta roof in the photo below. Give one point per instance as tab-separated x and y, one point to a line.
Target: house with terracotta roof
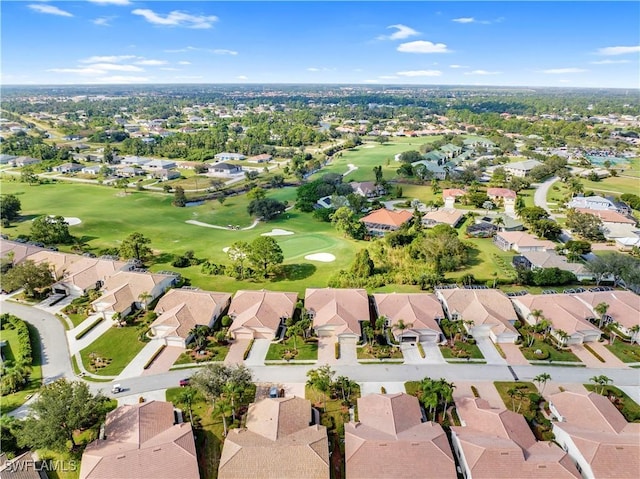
495	443
142	441
443	216
521	242
123	291
260	314
484	312
450	195
565	313
338	313
624	308
391	440
420	312
596	435
382	221
279	441
181	310
608	216
501	194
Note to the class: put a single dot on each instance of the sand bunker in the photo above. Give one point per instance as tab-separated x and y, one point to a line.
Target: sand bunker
226	249
368	146
278	232
71	221
322	257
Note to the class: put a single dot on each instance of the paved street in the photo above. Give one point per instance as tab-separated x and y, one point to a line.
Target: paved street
541	193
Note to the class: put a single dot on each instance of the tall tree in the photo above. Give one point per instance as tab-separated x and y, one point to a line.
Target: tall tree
179	198
136	246
601	309
239	253
50	230
9	208
362	264
265	254
34	278
542	380
61	408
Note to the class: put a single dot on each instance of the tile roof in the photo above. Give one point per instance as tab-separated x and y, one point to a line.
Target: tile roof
564	311
384	216
20	251
497	443
549	259
390	440
608	216
624	306
603	437
277	443
182	309
419	309
524	240
449	216
21	467
124	288
452	192
501	193
482	306
261	309
342	308
142	442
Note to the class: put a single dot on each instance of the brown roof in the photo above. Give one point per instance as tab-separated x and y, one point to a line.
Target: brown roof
23	466
277	443
501	192
20	251
452	192
142	442
482	306
261	309
624	306
384	216
608	216
391	441
608	443
497	443
420	309
183	309
564	311
449	216
342	308
524	240
58	262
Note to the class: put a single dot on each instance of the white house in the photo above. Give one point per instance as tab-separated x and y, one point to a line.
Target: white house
224	156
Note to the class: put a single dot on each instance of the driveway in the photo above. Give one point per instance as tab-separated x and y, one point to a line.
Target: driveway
486	391
411	353
432	354
513	354
258	352
164	360
326	350
136	367
391	387
587	357
236	351
489	351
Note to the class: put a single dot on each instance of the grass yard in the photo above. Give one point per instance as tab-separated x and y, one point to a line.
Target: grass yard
284	350
461	350
377	351
548	353
515	404
486	259
215	352
423	193
627	406
633	169
368	155
628	353
119	345
12	401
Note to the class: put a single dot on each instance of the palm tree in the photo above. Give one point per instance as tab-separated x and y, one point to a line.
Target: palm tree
233	392
186	397
446	392
295	330
537	314
402	326
199	335
542	379
601	309
513	392
562	336
144	297
222	407
601	380
611	329
368	332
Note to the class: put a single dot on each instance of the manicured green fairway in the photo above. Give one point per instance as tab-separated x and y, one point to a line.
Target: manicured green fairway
107	218
614	185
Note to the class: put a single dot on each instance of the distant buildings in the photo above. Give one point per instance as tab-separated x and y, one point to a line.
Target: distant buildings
521	169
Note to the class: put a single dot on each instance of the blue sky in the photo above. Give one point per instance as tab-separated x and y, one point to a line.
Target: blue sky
571	44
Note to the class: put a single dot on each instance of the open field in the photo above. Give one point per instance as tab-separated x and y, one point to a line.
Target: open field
107	218
614	185
368	155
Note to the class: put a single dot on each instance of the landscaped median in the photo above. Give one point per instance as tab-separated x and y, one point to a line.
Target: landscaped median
86	330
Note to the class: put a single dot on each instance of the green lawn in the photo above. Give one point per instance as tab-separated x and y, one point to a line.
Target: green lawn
215	352
77	318
119	345
379	352
153	215
12	401
512	404
628	353
614	185
305	350
485	260
423	193
548	353
633	169
461	349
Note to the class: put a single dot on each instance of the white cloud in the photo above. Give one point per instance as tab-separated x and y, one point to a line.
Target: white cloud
78	71
103	21
564	81
618	50
170	69
482	72
402	32
184	63
562	71
177	18
49	9
189	77
111	2
242	77
610	62
464	20
458	66
222	51
152	63
422	46
313	69
182	50
107	58
107	67
420	73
